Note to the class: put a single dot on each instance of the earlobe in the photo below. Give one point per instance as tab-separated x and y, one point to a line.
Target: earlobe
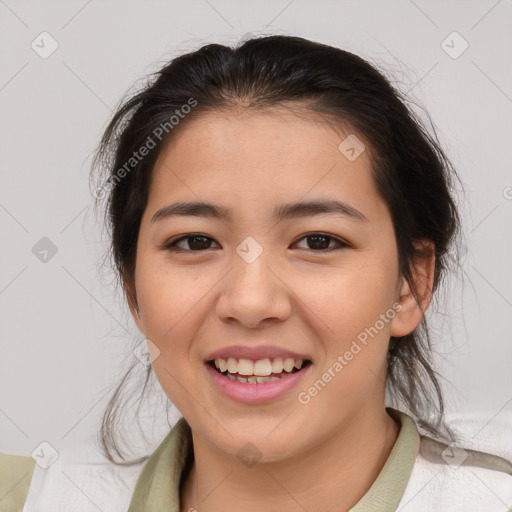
134	310
135	313
413	306
408	314
136	317
131	299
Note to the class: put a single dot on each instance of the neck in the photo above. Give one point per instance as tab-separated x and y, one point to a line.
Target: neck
334	474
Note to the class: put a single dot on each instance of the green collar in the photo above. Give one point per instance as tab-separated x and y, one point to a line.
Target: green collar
158	485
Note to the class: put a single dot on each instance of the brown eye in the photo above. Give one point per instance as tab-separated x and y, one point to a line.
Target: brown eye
191	242
322	242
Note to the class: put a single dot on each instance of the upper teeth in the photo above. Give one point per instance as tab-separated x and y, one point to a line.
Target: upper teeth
260	367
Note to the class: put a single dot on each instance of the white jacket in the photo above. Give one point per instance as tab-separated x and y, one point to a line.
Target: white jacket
443	478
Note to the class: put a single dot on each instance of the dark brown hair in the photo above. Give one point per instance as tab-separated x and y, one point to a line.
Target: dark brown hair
412	173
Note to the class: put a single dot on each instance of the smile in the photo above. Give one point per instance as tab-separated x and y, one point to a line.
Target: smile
258	371
256	381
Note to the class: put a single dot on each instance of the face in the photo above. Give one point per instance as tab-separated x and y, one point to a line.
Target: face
256	289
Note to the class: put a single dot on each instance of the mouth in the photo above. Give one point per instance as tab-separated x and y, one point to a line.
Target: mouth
258	371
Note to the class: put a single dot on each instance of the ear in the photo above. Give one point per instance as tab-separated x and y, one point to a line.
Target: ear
409	312
131	298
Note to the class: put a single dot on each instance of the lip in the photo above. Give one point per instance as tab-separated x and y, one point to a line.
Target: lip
255	393
255	353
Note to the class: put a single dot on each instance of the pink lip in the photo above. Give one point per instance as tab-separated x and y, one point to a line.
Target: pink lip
255	393
261	352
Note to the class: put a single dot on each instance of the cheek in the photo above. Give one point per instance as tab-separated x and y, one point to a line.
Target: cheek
352	298
166	297
352	311
169	305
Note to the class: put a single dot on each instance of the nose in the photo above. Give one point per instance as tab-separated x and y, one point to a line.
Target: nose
254	294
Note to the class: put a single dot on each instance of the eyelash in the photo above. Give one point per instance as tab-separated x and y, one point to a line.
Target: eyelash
171	245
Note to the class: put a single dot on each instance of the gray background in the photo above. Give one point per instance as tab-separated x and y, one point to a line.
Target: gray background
66	334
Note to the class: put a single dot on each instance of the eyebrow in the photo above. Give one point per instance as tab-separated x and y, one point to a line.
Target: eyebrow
285	211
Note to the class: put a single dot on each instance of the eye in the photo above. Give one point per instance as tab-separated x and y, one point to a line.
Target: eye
322	242
196	242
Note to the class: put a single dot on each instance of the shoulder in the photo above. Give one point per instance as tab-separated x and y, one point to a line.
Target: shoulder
80	478
15	476
454	478
473	474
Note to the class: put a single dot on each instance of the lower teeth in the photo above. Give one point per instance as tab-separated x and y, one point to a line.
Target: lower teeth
251	380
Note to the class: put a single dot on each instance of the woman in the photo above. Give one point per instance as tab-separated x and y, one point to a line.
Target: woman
280	222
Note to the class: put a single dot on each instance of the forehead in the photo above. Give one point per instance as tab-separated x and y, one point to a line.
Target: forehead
257	157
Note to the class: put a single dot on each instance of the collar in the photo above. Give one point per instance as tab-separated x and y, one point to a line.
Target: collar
158	485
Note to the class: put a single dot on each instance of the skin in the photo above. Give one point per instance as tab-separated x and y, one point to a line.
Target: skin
324	455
